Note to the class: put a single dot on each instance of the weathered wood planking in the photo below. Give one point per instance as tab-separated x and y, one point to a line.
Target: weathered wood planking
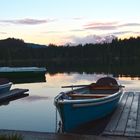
116	116
138	118
126	119
132	119
124	116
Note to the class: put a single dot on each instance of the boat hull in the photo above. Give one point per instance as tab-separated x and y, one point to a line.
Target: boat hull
75	113
18	72
5	87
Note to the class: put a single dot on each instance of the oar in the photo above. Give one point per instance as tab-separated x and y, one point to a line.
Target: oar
121	86
72	86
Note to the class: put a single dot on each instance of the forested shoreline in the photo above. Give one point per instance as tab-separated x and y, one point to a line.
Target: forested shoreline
15	52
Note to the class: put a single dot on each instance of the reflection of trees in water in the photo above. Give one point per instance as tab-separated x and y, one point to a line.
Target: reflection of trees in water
117	68
121	57
94	67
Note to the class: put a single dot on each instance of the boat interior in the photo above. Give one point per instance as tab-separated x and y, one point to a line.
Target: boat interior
91	93
102	88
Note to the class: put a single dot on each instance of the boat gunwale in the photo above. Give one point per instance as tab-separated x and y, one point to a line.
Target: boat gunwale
57	99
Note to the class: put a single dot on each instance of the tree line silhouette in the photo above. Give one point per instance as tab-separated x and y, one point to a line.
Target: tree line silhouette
125	52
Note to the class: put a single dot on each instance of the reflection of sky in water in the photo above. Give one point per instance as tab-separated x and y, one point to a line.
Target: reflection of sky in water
75	78
37	112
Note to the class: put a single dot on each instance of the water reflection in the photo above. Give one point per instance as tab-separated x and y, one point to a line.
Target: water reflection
91	67
7	101
33	98
37	112
21	78
62	79
130	83
28	80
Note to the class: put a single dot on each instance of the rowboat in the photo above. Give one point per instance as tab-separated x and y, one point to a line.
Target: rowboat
88	102
5	85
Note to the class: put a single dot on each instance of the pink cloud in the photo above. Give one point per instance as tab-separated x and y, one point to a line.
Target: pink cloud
101	25
108	25
27	21
3	33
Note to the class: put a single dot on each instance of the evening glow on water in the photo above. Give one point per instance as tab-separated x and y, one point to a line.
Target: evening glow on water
37	112
73	21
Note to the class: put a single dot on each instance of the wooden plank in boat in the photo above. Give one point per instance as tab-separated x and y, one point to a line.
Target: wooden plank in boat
132	119
104	87
88	95
12	93
110	128
120	129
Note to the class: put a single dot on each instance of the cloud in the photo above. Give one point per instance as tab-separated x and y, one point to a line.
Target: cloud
121	32
27	21
77	18
95	39
52	32
108	25
137	33
124	32
77	30
130	24
3	33
101	25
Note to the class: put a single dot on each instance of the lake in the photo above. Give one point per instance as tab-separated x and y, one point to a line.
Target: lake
36	112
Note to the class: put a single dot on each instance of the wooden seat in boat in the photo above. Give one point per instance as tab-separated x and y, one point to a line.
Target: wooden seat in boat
83	96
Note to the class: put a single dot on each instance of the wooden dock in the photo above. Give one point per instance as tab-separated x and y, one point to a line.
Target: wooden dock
12	93
29	135
126	119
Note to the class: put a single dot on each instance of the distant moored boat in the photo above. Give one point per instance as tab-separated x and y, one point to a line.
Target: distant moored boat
21	71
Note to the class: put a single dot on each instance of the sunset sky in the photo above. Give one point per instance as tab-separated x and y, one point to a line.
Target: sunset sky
65	21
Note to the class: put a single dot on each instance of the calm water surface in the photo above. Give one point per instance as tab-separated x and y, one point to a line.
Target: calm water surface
37	112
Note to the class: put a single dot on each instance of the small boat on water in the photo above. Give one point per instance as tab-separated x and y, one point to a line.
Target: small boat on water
7	94
87	103
5	85
22	71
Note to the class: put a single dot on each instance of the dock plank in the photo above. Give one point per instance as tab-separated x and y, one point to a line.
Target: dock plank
120	129
138	119
126	119
116	116
132	119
